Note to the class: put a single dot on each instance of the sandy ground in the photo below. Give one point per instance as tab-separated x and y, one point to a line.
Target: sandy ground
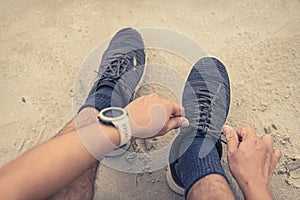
43	44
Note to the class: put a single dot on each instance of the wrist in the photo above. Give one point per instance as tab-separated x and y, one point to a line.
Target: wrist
117	117
255	190
111	133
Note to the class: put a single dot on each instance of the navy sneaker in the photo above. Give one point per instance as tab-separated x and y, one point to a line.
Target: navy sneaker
206	100
120	71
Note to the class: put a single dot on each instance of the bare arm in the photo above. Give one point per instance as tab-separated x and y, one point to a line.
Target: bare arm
42	171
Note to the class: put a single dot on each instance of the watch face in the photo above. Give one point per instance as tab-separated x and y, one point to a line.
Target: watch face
113	113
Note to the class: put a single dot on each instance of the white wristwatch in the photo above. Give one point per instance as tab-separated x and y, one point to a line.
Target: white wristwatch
118	118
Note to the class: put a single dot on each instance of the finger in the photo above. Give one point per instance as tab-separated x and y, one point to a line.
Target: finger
177	110
277	156
153	94
246	132
176	122
268	140
232	139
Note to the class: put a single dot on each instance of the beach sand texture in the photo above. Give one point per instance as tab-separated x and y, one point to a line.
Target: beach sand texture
44	43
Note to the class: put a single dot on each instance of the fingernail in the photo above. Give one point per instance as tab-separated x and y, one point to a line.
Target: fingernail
185	122
226	129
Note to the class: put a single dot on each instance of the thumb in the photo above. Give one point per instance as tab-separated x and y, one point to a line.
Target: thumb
176	122
232	139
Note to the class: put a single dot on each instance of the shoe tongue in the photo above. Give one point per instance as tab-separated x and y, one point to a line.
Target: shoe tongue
110	84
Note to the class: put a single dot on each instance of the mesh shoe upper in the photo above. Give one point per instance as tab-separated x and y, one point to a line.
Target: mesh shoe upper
206	97
206	100
125	53
121	68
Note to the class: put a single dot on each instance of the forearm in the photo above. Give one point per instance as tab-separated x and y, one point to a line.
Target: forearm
51	165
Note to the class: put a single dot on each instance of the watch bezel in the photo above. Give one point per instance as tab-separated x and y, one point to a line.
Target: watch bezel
102	117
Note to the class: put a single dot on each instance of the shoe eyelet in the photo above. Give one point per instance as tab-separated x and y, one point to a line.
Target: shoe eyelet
134	61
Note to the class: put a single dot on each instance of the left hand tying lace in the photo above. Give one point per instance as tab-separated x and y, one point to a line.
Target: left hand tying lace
153	116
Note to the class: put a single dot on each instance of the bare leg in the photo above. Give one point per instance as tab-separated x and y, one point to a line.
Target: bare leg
83	186
213	186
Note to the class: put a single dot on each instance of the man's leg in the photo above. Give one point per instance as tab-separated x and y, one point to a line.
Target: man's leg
213	186
195	167
83	186
199	173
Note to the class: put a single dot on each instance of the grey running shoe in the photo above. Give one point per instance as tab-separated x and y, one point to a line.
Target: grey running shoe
121	69
206	100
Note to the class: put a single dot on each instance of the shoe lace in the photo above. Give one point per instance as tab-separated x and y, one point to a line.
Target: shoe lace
118	66
206	100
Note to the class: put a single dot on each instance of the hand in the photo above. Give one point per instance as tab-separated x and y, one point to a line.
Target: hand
153	116
251	161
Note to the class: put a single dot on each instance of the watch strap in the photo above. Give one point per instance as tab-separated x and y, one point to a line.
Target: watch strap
124	129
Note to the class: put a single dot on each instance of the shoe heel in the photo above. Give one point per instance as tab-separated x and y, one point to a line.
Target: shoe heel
172	185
